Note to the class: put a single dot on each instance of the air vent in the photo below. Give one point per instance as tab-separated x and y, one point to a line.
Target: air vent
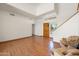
12	14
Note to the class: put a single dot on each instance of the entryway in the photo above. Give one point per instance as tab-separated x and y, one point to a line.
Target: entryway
46	29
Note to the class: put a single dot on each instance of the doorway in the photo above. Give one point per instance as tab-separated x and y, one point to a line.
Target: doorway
46	29
33	29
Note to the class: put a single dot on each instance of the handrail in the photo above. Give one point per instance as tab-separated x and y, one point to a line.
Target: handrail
66	21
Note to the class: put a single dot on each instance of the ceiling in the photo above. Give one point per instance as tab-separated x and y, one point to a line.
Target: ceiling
28	9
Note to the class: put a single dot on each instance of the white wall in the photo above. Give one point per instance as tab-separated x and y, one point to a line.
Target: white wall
12	27
39	23
64	11
69	28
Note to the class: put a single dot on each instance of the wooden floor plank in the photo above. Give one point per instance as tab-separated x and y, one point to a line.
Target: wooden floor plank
31	46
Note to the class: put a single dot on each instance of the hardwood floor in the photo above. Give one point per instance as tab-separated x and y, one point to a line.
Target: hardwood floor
31	46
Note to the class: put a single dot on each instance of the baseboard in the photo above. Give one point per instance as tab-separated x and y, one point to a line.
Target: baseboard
14	39
57	41
23	38
43	36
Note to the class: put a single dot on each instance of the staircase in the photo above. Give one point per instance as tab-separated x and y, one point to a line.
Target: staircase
67	28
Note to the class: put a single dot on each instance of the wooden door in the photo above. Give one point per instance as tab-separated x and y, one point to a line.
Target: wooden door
46	29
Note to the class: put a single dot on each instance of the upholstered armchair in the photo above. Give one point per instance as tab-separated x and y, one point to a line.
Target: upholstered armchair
69	47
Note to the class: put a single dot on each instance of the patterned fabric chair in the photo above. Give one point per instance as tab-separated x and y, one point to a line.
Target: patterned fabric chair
69	47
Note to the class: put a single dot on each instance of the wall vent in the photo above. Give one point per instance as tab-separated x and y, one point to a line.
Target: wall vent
12	14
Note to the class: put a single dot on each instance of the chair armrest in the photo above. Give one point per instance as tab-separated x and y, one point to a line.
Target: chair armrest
59	51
